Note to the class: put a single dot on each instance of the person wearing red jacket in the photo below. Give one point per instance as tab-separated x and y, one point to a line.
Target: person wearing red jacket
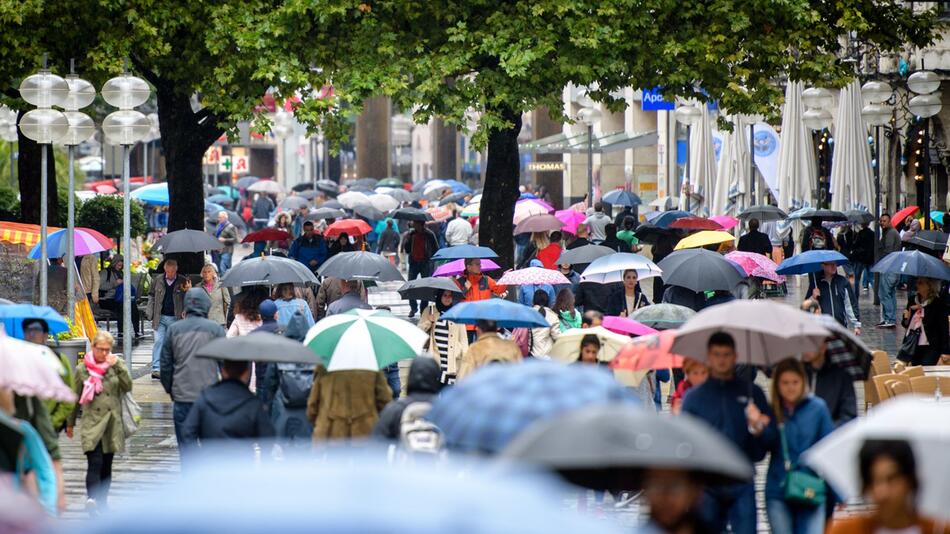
478	286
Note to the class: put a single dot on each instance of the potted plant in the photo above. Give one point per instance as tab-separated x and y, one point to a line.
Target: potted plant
72	343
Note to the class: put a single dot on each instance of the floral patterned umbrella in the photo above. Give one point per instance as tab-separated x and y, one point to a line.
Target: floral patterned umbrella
533	275
756	265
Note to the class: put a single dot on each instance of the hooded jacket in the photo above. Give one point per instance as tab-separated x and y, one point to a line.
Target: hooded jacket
183	374
288	386
835	298
226	410
721	404
424	384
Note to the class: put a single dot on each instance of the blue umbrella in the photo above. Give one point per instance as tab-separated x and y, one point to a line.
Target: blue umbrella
488	410
347	491
504	312
213	209
667	218
651	216
221	199
912	263
152	194
619	197
810	262
458	187
12	316
464	252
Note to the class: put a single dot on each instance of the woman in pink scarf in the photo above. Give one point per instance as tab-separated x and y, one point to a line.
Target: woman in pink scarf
101	381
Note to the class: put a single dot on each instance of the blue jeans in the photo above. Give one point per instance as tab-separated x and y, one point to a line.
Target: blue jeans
788	519
224	263
862	276
179	414
888	295
392	377
163	323
733	505
421	269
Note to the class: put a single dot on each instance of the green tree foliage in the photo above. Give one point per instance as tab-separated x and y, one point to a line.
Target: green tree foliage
9	205
104	213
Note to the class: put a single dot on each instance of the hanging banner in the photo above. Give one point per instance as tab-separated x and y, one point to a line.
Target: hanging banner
766	150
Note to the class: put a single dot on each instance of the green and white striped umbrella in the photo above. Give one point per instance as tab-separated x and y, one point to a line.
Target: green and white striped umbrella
364	339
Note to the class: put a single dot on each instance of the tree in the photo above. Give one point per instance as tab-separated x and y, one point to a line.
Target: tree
498	59
104	214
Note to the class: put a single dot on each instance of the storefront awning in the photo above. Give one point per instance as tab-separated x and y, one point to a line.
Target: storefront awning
22	234
577	143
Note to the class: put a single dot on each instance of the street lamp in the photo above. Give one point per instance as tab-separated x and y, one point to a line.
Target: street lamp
44	125
752	119
877	113
125	128
81	94
589	116
817	100
8	134
689	115
925	105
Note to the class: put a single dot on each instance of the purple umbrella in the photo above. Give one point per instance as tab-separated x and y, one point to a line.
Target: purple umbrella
456	267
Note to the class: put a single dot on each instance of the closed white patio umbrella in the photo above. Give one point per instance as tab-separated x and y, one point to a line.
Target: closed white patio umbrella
797	172
851	184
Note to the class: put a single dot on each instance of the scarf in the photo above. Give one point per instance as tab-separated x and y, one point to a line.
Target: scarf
442	307
92	385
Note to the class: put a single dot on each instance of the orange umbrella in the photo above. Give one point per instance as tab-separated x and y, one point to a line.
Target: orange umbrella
648	352
347	226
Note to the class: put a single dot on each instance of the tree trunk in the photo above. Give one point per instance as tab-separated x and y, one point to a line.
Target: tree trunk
186	136
501	190
28	176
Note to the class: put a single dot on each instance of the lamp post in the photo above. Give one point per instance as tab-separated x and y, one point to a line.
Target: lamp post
125	128
925	105
818	118
588	116
8	134
688	115
877	113
81	94
44	125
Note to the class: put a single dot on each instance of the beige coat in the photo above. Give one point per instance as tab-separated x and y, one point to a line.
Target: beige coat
102	417
346	404
458	339
488	348
89	274
542	339
220	302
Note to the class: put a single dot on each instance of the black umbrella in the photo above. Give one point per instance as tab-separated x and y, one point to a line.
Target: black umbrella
822	214
411	214
326	213
428	288
846	350
360	266
700	270
859	216
187	241
650	233
335	204
293	203
308	194
912	263
368	183
608	447
260	347
457	198
369	212
584	255
267	271
329	187
302	186
930	239
763	212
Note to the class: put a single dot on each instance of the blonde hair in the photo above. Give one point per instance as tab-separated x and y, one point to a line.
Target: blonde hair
540	240
103	335
212	267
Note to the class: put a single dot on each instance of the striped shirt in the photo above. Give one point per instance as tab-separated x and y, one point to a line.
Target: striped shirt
441	335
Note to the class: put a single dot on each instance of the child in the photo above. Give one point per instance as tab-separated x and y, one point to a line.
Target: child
696	373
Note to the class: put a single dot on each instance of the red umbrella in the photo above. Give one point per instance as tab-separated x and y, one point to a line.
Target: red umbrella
267	234
348	227
903	214
695	223
105	189
648	352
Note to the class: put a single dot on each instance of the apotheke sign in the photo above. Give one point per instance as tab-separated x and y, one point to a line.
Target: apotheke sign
653	101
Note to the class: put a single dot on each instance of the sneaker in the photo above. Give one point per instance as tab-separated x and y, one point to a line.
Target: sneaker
156	375
91	508
885	324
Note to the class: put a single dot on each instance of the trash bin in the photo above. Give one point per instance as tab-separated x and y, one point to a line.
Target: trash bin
74	349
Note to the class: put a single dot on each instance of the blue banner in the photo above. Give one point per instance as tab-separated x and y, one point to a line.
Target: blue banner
653	101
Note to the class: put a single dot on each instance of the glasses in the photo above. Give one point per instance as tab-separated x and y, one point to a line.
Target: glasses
101	349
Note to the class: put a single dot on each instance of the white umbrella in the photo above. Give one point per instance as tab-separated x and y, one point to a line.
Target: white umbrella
702	165
351	199
851	185
732	174
266	186
567	348
922	422
609	269
31	370
383	203
797	174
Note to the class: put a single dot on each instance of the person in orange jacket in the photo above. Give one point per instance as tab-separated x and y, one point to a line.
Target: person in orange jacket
478	286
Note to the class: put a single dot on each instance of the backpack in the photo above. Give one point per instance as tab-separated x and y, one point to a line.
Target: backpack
523	337
416	433
817	239
295	383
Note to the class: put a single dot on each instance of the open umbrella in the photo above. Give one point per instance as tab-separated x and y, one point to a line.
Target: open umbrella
704	238
620	197
528	207
267	271
187	241
922	424
456	267
623	325
351	199
461	252
821	214
486	411
293	203
663	316
471	210
859	216
224	200
454	198
609	269
266	186
31	370
326	213
246	181
267	234
567	347
608	447
763	213
364	182
391	182
506	313
12	315
332	204
349	227
261	347
383	202
85	240
360	266
584	255
912	263
725	221
764	331
544	222
755	264
653	351
695	223
700	270
533	275
844	349
156	194
428	288
570	218
329	187
930	239
402	195
364	339
667	217
810	261
411	214
440	213
650	233
369	212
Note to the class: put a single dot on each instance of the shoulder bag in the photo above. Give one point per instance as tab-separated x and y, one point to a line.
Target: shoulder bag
800	487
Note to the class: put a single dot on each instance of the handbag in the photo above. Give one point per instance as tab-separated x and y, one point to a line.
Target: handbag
909	345
800	487
131	415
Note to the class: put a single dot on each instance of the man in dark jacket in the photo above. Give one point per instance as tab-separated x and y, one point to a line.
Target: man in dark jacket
723	401
594	296
423	385
226	410
581	239
288	386
833	293
420	245
755	241
682	296
263	205
269	325
183	374
831	383
863	257
310	248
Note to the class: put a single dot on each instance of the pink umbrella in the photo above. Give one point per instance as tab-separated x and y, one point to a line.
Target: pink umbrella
622	325
725	221
528	207
571	218
31	370
456	267
756	265
533	275
654	351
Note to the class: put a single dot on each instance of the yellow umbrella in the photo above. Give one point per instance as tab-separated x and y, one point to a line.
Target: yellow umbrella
706	237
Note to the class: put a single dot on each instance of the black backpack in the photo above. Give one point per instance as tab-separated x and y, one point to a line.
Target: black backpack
295	382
